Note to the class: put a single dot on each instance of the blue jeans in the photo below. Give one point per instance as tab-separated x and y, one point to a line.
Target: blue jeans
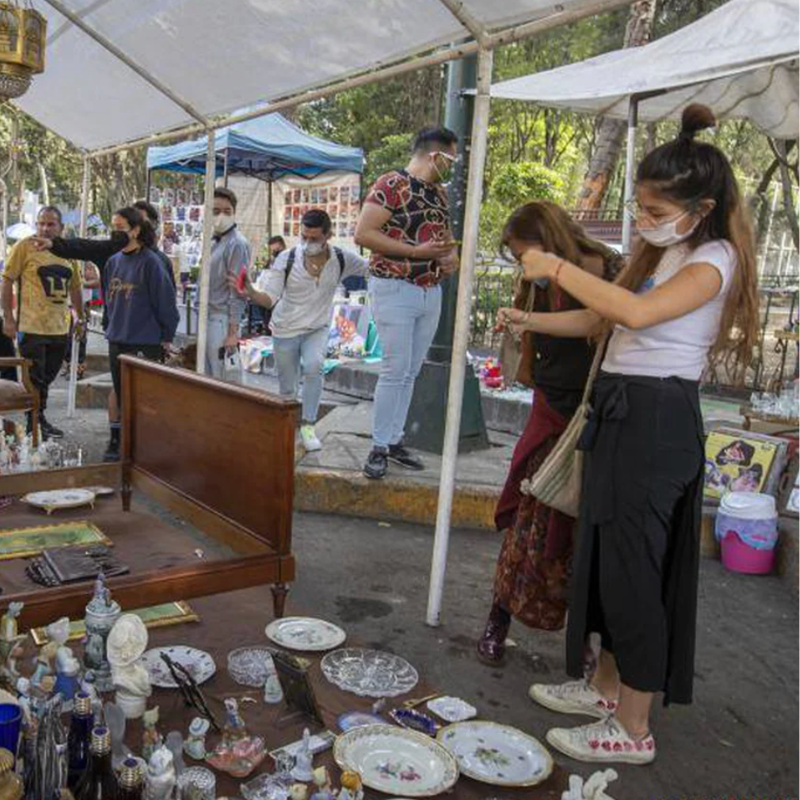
406	317
302	354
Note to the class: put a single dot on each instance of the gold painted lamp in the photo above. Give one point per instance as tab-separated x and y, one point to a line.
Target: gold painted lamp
23	33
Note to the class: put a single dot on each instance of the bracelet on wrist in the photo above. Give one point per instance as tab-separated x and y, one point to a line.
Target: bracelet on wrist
557	273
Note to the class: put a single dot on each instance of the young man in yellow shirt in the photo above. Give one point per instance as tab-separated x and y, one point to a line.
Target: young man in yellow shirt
45	285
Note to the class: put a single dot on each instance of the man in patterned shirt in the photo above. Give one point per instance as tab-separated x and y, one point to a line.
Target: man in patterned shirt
405	222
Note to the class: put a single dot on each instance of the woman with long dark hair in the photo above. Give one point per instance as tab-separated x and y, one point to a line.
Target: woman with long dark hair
532	572
689	295
140	301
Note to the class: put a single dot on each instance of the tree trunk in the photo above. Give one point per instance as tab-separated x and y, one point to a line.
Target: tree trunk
611	132
787	185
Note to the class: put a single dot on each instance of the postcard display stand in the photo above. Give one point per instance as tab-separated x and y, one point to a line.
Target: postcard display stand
180	207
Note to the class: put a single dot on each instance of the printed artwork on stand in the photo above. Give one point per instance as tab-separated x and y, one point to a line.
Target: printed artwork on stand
736	462
348	331
342	203
180	207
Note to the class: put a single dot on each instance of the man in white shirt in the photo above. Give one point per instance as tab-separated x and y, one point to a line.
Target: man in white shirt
299	286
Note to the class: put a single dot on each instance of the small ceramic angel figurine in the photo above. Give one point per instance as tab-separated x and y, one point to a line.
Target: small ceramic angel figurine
10	645
24	696
160	780
303	767
125	645
195	744
234	728
151	739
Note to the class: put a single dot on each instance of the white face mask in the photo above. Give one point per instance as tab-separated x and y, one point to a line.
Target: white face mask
314	248
666	234
223	223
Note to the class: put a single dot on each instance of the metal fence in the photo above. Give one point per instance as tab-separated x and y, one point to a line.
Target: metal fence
776	359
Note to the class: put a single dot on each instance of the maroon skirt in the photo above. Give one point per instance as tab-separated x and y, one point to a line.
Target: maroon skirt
535	562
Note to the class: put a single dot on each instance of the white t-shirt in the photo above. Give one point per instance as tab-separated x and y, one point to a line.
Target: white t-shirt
678	347
305	303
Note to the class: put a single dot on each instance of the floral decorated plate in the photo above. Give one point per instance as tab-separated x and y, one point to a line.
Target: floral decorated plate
305	633
497	754
199	664
369	673
452	709
396	760
60	498
101	491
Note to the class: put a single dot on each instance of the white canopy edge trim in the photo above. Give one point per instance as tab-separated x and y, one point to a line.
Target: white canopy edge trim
374	74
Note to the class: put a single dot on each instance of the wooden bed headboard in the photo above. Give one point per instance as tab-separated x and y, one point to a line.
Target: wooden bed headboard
223	447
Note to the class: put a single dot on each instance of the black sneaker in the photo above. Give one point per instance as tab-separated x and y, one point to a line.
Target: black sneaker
404	458
49	431
112	452
377	464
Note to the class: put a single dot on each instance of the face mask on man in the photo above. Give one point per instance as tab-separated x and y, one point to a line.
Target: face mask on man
314	248
666	233
223	223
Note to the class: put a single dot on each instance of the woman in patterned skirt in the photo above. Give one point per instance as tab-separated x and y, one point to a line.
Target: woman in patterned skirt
533	569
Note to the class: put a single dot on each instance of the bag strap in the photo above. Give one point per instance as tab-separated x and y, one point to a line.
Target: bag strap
340	258
599	354
289	265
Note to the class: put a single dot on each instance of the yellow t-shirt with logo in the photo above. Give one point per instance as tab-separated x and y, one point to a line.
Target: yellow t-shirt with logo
43	289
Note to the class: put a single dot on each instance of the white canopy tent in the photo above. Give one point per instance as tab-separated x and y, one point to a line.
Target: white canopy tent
124	74
741	60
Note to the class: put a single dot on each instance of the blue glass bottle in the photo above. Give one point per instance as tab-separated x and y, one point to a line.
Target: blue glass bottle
80	737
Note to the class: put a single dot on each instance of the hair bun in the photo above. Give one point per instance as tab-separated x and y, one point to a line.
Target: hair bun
696	117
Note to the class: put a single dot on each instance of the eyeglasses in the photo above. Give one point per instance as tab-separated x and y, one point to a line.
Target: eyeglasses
635	210
449	156
190	690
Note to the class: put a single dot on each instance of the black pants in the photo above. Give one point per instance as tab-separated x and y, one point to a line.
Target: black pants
152	352
47	355
7	351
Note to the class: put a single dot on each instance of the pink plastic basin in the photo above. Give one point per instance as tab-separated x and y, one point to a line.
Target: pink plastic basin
740	557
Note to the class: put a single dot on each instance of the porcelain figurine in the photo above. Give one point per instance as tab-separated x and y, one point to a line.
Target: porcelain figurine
303	767
174	743
67	669
160	780
24	699
101	614
273	692
298	791
322	780
151	739
195	744
10	645
57	635
116	724
234	728
352	787
126	642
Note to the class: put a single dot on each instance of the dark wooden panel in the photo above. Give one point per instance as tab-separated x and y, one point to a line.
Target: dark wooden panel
227	447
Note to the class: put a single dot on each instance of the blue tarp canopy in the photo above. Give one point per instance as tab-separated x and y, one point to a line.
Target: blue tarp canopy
268	147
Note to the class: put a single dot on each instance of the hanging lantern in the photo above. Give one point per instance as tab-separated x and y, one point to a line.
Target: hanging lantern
23	34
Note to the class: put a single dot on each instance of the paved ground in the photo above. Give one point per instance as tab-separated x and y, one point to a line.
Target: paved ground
739	739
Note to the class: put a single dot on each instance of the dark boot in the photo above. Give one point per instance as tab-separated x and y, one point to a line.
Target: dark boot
492	645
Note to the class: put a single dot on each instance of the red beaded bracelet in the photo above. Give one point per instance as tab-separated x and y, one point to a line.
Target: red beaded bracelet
558	271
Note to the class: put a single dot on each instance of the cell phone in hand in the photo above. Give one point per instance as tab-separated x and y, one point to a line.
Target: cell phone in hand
221	353
241	281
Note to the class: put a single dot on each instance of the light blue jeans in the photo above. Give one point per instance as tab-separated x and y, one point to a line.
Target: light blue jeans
303	354
406	317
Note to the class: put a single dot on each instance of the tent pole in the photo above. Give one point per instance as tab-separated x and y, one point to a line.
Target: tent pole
225	169
74	343
630	157
205	262
269	208
148	185
455	395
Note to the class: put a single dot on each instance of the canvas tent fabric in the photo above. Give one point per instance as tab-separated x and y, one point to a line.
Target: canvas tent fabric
741	60
268	147
215	57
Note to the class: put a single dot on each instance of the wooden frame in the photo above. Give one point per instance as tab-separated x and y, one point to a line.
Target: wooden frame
218	455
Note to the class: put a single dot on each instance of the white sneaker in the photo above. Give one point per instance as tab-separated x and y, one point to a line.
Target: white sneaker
310	442
603	742
573	697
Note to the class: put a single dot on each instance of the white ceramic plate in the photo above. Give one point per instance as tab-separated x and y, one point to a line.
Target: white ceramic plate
452	709
369	673
199	664
497	754
60	498
305	633
396	760
101	491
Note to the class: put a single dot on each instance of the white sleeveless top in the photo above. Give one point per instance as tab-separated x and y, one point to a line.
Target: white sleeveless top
678	347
